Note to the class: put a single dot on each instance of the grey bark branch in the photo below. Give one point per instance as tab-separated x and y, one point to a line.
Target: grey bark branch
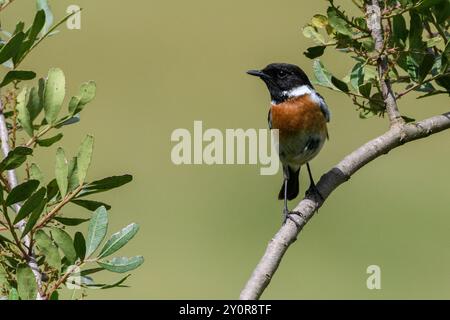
12	180
375	24
395	137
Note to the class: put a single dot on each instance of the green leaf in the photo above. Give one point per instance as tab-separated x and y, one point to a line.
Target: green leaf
357	75
71	222
34	217
415	31
13	294
36	27
15	75
365	89
425	4
319	21
400	33
106	184
52	189
425	66
65	243
311	33
68	121
36	173
61	172
323	77
117	284
84	158
21	192
43	5
50	141
338	24
48	249
412	68
314	52
15	158
73	174
23	114
54	93
97	230
90	204
80	245
86	95
26	283
11	47
122	264
341	85
118	240
32	203
35	101
90	271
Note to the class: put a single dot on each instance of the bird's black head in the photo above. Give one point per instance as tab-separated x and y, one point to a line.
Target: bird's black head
281	78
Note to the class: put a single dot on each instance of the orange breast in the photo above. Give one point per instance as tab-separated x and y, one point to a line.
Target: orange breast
299	114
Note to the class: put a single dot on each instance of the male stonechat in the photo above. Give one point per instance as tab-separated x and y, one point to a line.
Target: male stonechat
301	115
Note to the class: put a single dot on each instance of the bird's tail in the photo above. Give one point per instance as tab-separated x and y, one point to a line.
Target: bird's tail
293	187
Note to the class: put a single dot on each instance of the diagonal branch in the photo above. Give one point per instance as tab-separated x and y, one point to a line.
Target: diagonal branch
374	23
395	137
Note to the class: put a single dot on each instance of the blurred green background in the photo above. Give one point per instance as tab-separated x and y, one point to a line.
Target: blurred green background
160	65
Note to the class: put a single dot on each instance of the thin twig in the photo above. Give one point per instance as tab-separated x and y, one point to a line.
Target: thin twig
418	85
375	25
56	209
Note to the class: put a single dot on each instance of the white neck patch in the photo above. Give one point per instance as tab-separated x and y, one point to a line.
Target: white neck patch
303	90
299	91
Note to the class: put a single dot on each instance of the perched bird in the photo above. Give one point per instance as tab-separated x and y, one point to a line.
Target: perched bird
301	115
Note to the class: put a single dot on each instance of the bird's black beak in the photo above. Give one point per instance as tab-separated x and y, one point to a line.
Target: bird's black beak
258	73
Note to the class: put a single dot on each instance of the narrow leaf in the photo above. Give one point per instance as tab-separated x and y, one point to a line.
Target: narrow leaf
80	245
341	85
15	75
61	172
71	222
65	243
48	249
84	158
11	47
106	184
122	264
54	93
15	158
26	283
50	141
34	217
36	173
90	204
97	230
118	240
22	192
29	205
23	114
43	5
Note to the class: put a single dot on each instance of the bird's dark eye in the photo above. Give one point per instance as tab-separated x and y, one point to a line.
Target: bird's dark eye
282	74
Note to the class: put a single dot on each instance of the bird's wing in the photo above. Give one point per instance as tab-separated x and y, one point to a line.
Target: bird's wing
324	108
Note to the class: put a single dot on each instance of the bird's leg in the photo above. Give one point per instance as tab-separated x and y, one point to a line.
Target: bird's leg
286	178
312	185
